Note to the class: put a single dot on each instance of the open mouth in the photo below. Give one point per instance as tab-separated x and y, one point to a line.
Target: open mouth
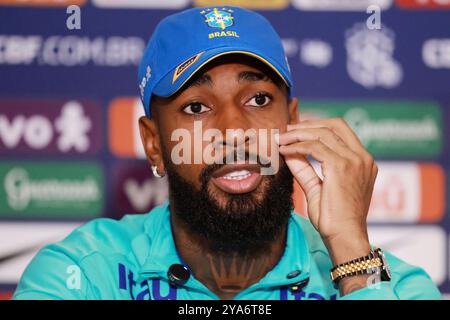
237	179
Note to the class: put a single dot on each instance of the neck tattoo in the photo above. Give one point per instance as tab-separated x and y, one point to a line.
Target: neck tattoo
227	274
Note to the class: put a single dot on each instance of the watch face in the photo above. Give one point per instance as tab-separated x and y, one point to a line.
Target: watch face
374	270
387	270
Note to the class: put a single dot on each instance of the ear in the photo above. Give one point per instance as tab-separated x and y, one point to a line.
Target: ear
293	111
151	142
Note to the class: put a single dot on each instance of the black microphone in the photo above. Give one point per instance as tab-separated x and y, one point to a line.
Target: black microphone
178	274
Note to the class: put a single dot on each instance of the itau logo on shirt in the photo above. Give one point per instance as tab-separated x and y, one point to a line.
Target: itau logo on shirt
370	57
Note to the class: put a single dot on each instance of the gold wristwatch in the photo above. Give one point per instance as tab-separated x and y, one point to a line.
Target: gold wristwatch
374	263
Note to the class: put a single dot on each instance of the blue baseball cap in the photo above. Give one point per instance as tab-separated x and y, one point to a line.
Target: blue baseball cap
184	42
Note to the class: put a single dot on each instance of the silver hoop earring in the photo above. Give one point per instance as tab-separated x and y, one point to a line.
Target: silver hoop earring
156	173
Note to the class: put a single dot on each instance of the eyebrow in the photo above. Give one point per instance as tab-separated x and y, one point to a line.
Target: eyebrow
253	76
202	80
205	79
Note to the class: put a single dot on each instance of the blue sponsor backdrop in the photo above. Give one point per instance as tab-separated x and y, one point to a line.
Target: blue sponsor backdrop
409	59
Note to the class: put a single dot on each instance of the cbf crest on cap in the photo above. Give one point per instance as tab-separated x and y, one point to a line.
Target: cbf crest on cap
184	42
218	18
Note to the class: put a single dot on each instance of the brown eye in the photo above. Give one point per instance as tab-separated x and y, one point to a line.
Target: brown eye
195	108
260	100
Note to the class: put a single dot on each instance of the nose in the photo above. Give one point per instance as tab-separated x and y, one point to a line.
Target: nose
233	123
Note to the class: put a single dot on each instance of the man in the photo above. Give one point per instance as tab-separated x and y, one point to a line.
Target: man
228	230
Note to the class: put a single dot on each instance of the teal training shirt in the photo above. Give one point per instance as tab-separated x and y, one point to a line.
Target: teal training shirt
129	259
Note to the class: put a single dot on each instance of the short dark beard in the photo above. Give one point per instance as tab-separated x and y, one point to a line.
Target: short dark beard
248	224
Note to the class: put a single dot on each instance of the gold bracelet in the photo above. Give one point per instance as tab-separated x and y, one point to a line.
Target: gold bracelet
363	265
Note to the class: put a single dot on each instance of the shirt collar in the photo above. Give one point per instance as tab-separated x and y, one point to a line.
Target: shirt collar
162	252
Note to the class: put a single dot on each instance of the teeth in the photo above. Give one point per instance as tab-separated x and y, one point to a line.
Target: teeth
237	175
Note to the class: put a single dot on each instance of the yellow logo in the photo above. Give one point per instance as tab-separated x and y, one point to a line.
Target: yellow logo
184	66
44	3
252	4
223	34
218	18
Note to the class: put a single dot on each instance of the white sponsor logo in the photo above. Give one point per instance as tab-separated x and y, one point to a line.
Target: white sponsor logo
20	241
436	53
397	193
316	53
70	50
166	4
19	49
410	130
422	246
370	60
21	190
37	131
338	5
312	52
73	127
141	196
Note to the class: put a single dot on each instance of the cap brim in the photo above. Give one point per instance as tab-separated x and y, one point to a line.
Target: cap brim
168	85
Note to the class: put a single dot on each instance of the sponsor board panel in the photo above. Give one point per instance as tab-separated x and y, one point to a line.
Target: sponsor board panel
387	128
70	50
123	125
43	3
422	246
424	4
251	4
136	190
404	192
6	294
51	189
142	4
339	5
21	241
50	127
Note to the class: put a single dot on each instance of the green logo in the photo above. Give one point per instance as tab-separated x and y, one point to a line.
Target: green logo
51	190
387	129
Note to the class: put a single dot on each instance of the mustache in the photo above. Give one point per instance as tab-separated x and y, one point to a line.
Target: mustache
207	172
